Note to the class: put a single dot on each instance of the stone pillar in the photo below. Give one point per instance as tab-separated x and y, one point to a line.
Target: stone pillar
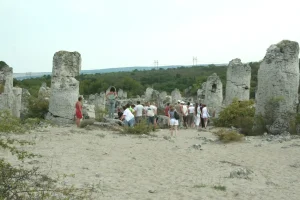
176	95
213	94
278	83
44	92
201	93
64	86
16	110
148	94
6	84
238	81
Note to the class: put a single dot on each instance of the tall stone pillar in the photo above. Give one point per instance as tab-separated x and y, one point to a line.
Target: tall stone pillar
213	94
238	81
64	86
278	83
6	85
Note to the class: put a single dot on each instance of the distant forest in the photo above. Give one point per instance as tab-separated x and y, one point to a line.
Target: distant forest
136	81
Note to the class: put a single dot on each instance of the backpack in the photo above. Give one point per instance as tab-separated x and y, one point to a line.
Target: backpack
176	115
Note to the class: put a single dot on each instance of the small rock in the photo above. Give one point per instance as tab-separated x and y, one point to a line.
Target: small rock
196	146
240	173
152	191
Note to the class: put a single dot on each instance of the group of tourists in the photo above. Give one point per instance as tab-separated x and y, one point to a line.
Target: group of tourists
133	114
186	115
181	115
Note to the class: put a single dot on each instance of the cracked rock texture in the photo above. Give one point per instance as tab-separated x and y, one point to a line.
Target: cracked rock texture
238	81
278	77
213	94
10	97
176	95
64	86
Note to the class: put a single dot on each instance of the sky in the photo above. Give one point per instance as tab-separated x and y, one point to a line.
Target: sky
123	33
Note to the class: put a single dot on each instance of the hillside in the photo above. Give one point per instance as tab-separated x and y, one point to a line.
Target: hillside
136	81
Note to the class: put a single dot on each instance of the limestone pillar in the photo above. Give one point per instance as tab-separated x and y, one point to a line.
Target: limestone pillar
64	86
238	81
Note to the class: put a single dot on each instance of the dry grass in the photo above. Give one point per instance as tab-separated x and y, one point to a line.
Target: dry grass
227	136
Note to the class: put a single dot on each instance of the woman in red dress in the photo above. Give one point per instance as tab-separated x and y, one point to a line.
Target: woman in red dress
78	107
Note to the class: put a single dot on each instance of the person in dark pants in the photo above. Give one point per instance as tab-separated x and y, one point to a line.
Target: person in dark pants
201	118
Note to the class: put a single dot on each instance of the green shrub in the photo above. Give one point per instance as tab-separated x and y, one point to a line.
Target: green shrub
37	108
19	183
229	136
10	123
139	128
100	113
239	114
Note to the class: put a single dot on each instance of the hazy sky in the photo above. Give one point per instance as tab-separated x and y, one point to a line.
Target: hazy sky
120	33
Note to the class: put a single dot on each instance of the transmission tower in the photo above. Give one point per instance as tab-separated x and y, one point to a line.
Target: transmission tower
195	61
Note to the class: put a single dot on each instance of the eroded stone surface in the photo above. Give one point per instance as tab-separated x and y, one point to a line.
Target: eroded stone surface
176	95
10	97
238	81
213	93
64	86
278	82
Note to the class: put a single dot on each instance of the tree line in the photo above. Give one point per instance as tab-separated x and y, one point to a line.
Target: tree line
136	81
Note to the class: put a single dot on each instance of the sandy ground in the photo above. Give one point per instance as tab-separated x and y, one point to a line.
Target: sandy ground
156	167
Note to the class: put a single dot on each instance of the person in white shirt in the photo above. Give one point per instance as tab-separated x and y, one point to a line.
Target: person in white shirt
184	111
153	106
138	112
205	115
197	114
128	116
149	111
191	109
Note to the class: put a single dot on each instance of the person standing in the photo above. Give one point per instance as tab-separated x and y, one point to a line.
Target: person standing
197	115
128	116
201	118
178	109
149	113
167	109
191	110
78	111
154	108
172	121
184	111
138	112
111	98
205	115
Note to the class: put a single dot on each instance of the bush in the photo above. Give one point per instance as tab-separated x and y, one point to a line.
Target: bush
139	128
16	182
19	183
100	113
9	123
229	136
37	108
239	114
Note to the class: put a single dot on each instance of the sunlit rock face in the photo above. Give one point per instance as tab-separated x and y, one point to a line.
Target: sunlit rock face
237	81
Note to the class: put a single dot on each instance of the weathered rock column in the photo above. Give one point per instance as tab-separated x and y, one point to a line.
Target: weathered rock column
6	84
64	87
278	83
176	95
238	81
213	94
17	103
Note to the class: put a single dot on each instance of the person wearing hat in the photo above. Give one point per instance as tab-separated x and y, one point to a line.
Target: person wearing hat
184	112
191	110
